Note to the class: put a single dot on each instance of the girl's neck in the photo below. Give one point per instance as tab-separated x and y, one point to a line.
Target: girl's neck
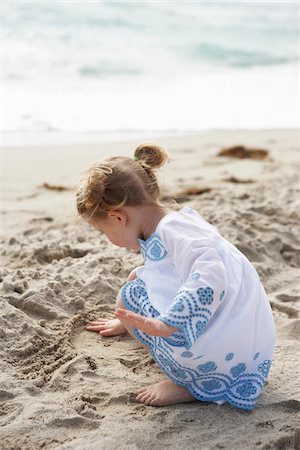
150	216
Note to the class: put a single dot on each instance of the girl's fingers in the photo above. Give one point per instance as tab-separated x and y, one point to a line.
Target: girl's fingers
96	327
91	324
101	320
96	322
108	332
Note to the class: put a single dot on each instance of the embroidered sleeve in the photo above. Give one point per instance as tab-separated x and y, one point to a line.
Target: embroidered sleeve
204	282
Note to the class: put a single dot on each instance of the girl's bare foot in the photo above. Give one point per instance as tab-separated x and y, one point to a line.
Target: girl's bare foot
163	394
107	327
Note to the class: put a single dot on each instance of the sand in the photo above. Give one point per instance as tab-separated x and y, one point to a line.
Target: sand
62	387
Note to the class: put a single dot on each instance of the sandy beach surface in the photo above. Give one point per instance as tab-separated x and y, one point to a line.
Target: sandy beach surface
62	387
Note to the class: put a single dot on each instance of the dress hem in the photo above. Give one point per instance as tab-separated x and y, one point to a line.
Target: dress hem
189	388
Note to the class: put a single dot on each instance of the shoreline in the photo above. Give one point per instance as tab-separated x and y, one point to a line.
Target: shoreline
53	138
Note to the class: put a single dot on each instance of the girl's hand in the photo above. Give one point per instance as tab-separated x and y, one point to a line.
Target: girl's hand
107	327
149	325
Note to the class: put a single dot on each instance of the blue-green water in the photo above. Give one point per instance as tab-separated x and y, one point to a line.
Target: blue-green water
177	65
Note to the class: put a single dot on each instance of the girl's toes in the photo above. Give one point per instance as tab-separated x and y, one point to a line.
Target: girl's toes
148	400
140	393
154	402
144	398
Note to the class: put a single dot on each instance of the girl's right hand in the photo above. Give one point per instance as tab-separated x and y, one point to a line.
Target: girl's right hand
107	327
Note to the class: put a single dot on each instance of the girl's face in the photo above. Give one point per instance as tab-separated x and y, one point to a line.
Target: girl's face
117	231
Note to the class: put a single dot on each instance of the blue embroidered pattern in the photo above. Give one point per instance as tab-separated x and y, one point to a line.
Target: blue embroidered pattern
173	367
239	388
209	366
256	356
187	354
211	385
237	370
195	276
205	295
152	248
222	295
178	307
265	367
247	389
188	315
200	327
229	356
135	292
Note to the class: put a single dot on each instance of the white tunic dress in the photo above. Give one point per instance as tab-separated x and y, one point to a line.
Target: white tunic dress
197	281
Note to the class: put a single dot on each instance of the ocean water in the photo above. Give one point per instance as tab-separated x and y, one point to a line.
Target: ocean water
138	66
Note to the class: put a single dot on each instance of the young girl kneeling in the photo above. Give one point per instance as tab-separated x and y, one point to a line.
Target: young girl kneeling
197	303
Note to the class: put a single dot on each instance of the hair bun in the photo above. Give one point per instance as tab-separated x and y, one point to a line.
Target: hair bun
92	187
151	154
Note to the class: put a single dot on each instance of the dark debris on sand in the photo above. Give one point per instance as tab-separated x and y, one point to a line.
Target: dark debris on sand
241	152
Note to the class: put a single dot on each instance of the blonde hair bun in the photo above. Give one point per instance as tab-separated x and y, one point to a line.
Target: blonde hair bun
92	187
119	180
151	155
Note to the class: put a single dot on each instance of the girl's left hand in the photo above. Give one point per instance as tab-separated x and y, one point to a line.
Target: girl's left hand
149	325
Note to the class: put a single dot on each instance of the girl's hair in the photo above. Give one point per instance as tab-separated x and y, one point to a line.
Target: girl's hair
121	181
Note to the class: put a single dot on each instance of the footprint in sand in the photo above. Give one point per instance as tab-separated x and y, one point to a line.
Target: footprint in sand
168	432
47	253
291	441
288	298
9	411
90	406
291	312
32	304
74	422
290	254
288	406
251	253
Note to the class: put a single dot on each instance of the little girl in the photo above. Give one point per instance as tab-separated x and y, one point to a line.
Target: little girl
197	304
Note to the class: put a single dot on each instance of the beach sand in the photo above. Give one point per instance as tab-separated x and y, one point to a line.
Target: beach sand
62	387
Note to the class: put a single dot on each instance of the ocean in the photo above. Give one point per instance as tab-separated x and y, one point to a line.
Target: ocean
141	66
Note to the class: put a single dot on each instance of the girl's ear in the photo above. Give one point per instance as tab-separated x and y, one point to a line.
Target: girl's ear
118	216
